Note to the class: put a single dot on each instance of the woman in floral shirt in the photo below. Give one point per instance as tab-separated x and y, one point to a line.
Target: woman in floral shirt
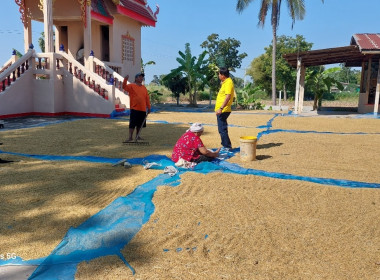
190	147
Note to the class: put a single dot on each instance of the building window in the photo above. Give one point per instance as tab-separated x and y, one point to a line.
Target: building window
128	48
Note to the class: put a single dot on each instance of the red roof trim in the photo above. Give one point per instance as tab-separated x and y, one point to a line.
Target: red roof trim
101	18
136	16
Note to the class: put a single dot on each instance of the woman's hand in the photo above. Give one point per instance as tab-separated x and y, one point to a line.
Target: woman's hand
208	153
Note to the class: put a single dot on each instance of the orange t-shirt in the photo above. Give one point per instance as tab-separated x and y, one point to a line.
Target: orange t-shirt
138	97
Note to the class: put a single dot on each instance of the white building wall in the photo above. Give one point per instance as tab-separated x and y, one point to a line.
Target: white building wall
96	39
18	98
43	96
79	98
123	26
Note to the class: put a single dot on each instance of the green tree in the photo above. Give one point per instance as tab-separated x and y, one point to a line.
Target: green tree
347	75
41	42
194	69
297	12
260	70
156	80
261	67
286	75
238	82
222	53
177	84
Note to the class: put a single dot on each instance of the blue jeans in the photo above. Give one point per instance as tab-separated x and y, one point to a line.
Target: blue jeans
223	129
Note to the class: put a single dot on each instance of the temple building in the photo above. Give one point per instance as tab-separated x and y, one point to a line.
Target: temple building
90	45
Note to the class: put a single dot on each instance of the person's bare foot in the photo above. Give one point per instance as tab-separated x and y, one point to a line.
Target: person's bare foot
139	138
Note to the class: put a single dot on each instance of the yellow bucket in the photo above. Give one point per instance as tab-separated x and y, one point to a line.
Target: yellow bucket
248	148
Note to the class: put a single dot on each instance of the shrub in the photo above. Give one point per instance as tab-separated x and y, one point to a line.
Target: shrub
203	96
155	96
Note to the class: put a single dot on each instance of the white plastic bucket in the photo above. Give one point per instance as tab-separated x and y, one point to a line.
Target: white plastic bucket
248	148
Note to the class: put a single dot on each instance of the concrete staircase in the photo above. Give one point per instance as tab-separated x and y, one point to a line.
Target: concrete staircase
53	84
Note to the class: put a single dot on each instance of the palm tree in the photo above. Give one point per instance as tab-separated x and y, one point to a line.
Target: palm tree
297	11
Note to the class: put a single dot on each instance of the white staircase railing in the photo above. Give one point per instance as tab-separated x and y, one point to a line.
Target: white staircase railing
110	75
88	77
106	72
9	62
16	68
54	66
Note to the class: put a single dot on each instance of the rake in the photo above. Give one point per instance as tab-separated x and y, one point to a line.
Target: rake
136	142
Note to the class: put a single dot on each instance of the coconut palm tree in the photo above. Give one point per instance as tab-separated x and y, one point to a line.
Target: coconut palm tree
297	12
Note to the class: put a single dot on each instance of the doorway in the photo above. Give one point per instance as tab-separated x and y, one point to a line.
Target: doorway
63	37
105	42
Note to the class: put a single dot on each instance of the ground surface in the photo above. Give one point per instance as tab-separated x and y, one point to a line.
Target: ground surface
210	226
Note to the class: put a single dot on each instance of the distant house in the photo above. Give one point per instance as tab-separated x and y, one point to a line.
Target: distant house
94	44
364	52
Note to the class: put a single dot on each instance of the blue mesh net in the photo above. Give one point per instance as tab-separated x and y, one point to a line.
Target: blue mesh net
107	232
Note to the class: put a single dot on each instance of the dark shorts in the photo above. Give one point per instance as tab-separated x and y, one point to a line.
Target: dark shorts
136	119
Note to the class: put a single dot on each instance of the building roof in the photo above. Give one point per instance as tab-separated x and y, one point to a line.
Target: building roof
99	11
363	47
349	54
366	41
138	10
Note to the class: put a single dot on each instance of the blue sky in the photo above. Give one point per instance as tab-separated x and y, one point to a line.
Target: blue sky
179	22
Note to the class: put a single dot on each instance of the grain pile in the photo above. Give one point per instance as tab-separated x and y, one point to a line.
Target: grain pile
214	226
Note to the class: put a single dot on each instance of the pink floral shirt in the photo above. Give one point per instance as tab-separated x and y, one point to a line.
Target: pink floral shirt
187	147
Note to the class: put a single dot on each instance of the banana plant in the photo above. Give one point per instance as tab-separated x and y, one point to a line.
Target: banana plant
194	69
246	98
143	65
321	81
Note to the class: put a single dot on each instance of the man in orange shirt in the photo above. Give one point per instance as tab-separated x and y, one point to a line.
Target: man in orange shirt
139	104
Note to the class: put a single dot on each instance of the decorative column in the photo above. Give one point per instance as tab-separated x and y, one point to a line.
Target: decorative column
14	56
25	18
48	25
27	34
87	31
57	37
90	61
